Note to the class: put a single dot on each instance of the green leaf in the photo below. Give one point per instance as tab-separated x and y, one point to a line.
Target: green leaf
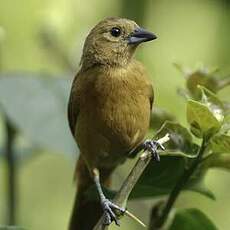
201	77
217	161
203	122
204	77
220	143
180	137
157	179
206	117
191	219
37	106
159	116
160	178
213	103
197	183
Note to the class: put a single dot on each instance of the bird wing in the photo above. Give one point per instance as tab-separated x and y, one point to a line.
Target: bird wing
74	101
151	96
143	76
73	105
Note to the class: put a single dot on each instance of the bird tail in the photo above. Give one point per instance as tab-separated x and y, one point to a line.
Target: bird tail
86	213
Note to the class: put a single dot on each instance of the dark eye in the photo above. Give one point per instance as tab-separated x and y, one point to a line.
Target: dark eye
115	32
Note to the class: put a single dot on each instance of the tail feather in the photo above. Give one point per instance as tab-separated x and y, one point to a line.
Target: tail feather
86	213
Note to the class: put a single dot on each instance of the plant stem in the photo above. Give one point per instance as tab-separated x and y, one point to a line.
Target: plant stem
179	186
11	166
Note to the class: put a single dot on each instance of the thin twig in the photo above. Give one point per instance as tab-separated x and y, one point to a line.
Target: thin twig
11	167
131	180
129	214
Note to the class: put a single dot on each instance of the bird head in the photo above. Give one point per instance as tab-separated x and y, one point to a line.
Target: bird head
112	42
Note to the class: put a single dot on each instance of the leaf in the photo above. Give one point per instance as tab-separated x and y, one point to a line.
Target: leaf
213	103
202	120
190	219
159	116
160	178
157	179
180	138
201	77
200	187
196	183
217	161
220	143
36	105
204	77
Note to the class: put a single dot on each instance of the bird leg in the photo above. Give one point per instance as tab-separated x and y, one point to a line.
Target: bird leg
150	146
107	206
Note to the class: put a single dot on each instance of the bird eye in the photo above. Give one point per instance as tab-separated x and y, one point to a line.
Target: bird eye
115	32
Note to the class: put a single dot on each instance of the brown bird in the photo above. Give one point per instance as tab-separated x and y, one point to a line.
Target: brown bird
109	113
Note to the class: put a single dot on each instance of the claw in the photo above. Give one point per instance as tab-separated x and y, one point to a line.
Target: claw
106	219
109	215
152	146
159	145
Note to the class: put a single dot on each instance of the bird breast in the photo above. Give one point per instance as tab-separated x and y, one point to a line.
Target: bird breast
118	108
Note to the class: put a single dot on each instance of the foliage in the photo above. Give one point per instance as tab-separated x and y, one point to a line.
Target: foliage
206	116
42	98
38	98
191	219
208	120
21	51
206	145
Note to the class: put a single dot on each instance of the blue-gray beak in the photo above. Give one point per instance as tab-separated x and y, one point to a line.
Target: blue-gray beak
140	35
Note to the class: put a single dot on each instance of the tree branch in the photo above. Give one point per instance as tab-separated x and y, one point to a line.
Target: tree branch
131	180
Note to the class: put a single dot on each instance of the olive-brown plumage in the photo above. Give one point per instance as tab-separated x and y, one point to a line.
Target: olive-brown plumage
109	107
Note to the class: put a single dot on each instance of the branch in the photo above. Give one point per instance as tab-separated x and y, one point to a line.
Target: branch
11	174
131	180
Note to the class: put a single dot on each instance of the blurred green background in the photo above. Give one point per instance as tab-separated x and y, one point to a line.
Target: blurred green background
43	39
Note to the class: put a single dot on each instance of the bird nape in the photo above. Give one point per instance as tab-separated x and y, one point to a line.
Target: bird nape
109	113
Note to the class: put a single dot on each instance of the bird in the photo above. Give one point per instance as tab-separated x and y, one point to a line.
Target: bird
109	112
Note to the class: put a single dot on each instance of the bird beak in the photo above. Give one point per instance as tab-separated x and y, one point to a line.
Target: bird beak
140	35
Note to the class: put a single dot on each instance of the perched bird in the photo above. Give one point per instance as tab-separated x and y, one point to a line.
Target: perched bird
109	113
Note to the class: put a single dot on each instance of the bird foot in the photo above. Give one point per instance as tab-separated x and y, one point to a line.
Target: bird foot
152	146
109	215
